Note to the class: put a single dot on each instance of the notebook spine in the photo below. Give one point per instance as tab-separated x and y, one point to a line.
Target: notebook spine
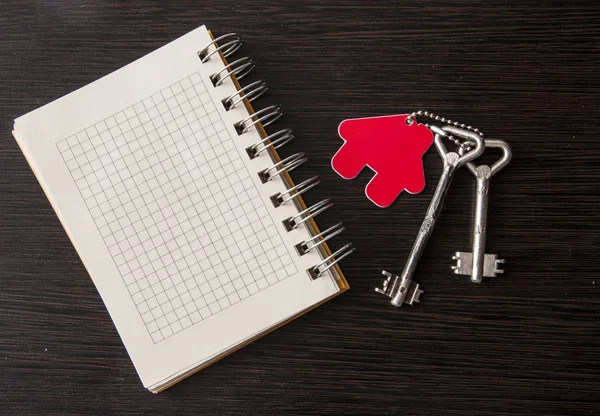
225	46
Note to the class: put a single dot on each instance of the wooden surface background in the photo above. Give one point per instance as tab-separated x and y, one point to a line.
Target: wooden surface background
527	342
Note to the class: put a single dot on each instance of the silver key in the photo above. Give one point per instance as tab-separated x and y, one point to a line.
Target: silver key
401	289
477	263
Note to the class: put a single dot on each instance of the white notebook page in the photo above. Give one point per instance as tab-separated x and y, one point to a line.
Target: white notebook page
154	187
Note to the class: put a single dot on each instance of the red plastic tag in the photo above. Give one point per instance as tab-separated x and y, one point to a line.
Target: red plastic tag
391	148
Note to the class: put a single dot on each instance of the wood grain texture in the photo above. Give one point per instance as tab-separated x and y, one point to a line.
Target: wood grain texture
523	343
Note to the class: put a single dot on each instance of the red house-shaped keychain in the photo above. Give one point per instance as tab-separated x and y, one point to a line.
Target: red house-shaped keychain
391	146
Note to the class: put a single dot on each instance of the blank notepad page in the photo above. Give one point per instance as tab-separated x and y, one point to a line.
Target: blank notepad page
176	207
167	212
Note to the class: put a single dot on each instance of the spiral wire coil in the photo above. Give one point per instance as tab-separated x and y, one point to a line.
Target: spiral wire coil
224	46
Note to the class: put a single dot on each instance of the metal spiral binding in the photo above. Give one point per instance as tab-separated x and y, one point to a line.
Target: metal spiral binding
274	141
239	68
264	116
281	198
315	272
288	164
314	242
292	222
250	92
225	46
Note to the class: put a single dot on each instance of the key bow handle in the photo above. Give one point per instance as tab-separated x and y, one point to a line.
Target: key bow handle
500	163
460	158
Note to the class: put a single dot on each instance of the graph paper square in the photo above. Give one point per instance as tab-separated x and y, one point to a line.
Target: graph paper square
176	208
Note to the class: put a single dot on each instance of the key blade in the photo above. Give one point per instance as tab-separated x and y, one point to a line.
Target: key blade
497	268
414	294
400	290
464	263
388	284
491	265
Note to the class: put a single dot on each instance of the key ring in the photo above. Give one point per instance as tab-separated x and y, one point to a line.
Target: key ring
465	145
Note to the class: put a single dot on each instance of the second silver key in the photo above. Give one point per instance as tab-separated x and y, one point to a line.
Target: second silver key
477	263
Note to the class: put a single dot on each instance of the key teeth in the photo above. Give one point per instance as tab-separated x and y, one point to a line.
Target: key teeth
393	284
497	268
464	264
461	267
417	292
383	289
455	267
386	283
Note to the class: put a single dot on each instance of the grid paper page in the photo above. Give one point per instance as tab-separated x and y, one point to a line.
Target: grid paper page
176	208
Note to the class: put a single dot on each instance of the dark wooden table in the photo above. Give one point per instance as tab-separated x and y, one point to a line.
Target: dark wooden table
527	342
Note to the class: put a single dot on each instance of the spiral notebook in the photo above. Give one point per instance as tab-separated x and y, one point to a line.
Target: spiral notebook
179	206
